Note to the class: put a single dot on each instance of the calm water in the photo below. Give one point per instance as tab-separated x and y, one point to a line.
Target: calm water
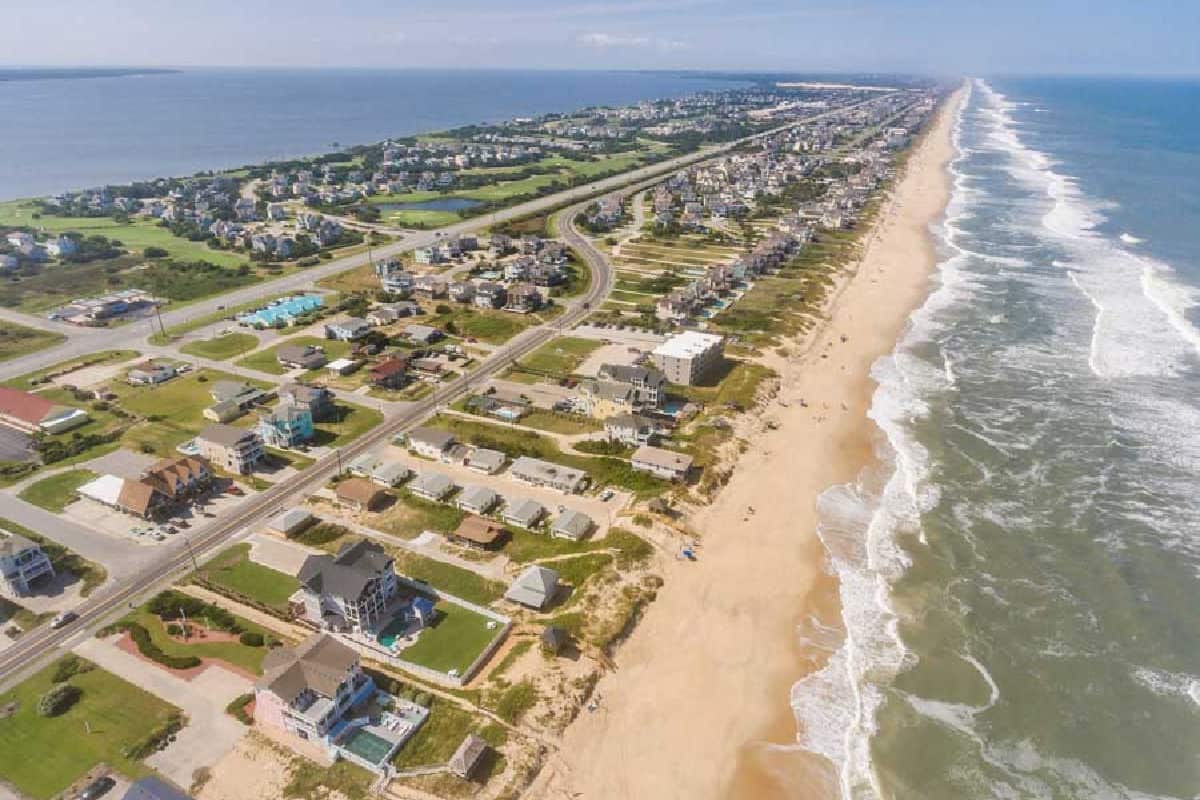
1020	583
69	134
437	204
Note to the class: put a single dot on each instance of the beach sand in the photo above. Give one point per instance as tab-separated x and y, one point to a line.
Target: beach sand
701	689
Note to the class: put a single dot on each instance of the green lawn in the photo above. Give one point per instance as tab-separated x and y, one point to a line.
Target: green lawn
19	340
43	756
435	741
233	569
457	639
135	235
221	347
236	653
350	422
448	578
57	491
173	410
493	327
32	379
561	423
561	356
267	361
421	218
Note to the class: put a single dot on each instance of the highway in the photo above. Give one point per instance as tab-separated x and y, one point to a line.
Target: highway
182	552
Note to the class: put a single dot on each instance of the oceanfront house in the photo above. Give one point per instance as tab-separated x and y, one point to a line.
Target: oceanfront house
391	373
573	525
347	330
630	429
604	399
318	399
649	385
534	588
317	691
485	461
667	464
360	494
231	449
150	373
349	591
32	413
689	357
300	356
289	424
477	499
432	486
23	564
536	472
524	513
430	443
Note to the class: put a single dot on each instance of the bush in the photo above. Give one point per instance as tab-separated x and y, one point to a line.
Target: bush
156	740
155	252
237	708
251	639
175	630
69	667
145	646
171	605
59	699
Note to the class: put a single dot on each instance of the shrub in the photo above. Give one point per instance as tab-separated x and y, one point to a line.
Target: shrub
251	639
237	708
175	630
146	646
59	699
69	667
156	739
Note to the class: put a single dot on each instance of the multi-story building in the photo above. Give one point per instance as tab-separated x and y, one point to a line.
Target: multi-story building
287	425
349	591
22	564
688	357
649	385
230	448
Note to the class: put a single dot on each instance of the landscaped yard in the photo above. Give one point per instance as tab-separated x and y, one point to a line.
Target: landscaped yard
435	741
233	570
456	640
221	347
19	340
234	652
42	756
448	578
57	491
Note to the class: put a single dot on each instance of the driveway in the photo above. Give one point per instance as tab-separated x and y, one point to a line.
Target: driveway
210	732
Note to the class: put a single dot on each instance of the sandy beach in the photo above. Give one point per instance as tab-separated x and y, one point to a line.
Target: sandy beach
701	690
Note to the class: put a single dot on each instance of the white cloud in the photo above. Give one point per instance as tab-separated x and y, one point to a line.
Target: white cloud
605	41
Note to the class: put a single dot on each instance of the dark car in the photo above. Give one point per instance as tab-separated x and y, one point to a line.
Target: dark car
63	619
97	788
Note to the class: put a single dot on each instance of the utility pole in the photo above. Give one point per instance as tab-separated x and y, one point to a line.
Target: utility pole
158	314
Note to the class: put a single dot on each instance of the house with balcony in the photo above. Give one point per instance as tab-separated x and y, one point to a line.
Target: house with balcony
289	424
349	591
23	564
230	448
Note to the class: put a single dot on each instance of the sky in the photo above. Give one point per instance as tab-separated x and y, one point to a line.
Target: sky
941	37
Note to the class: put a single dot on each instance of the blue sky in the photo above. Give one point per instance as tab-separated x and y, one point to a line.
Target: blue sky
969	36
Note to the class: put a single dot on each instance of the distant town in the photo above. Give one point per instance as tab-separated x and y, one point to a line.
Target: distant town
349	475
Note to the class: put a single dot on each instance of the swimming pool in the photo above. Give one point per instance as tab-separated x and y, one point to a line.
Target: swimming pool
391	632
282	310
366	745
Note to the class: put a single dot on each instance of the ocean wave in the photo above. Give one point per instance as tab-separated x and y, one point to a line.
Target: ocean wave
1129	238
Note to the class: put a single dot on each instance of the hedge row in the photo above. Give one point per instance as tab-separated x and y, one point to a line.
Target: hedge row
147	647
157	739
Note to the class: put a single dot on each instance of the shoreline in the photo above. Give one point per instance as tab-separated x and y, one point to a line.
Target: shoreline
698	705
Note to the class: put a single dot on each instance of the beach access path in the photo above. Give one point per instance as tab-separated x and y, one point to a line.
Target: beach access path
702	687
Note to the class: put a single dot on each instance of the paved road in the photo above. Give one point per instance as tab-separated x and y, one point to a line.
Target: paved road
121	557
178	556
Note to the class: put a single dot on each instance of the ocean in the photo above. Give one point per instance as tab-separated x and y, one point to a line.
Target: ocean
1019	579
62	134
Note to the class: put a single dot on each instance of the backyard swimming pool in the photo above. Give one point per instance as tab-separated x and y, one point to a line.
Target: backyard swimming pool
366	745
282	310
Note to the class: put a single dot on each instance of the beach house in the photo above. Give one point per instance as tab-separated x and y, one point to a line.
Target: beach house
289	424
667	464
533	588
232	449
536	472
23	564
349	591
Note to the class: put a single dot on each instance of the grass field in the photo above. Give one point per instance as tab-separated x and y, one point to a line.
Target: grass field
456	640
221	347
173	411
57	491
19	340
42	756
561	356
447	577
493	327
409	516
350	423
233	569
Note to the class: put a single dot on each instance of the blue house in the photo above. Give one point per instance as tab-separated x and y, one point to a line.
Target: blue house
287	425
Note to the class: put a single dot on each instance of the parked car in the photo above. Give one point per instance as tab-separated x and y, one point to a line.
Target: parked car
63	619
97	788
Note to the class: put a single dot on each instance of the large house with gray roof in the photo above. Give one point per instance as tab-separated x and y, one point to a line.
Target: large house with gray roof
349	591
23	563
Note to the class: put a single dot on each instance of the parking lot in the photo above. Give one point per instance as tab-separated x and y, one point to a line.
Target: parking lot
623	354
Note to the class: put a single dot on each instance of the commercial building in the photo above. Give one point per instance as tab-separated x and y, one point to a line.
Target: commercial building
688	357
